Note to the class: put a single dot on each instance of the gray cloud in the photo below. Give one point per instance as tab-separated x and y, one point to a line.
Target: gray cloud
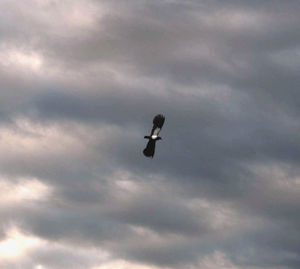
81	82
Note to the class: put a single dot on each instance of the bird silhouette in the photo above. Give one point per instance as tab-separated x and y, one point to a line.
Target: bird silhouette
158	123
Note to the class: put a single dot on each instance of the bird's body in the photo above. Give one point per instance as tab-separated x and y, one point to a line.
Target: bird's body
158	122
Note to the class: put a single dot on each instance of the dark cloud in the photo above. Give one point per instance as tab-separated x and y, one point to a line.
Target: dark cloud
81	82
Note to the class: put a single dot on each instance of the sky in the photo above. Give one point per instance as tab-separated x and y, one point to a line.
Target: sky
81	81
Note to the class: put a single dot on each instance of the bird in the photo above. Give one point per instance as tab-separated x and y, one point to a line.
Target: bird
158	122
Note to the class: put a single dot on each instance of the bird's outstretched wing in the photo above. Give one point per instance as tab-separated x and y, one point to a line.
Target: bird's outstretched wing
150	148
158	123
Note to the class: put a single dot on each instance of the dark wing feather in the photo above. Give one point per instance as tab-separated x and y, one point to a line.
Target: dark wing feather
158	123
159	120
150	148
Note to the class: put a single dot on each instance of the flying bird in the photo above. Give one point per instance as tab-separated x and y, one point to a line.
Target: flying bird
158	123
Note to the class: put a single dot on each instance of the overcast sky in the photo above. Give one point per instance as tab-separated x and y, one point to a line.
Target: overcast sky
81	81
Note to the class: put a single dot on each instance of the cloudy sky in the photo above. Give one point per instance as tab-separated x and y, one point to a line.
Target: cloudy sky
80	83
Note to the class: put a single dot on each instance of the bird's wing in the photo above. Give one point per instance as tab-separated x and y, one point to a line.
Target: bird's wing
155	130
150	149
158	123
